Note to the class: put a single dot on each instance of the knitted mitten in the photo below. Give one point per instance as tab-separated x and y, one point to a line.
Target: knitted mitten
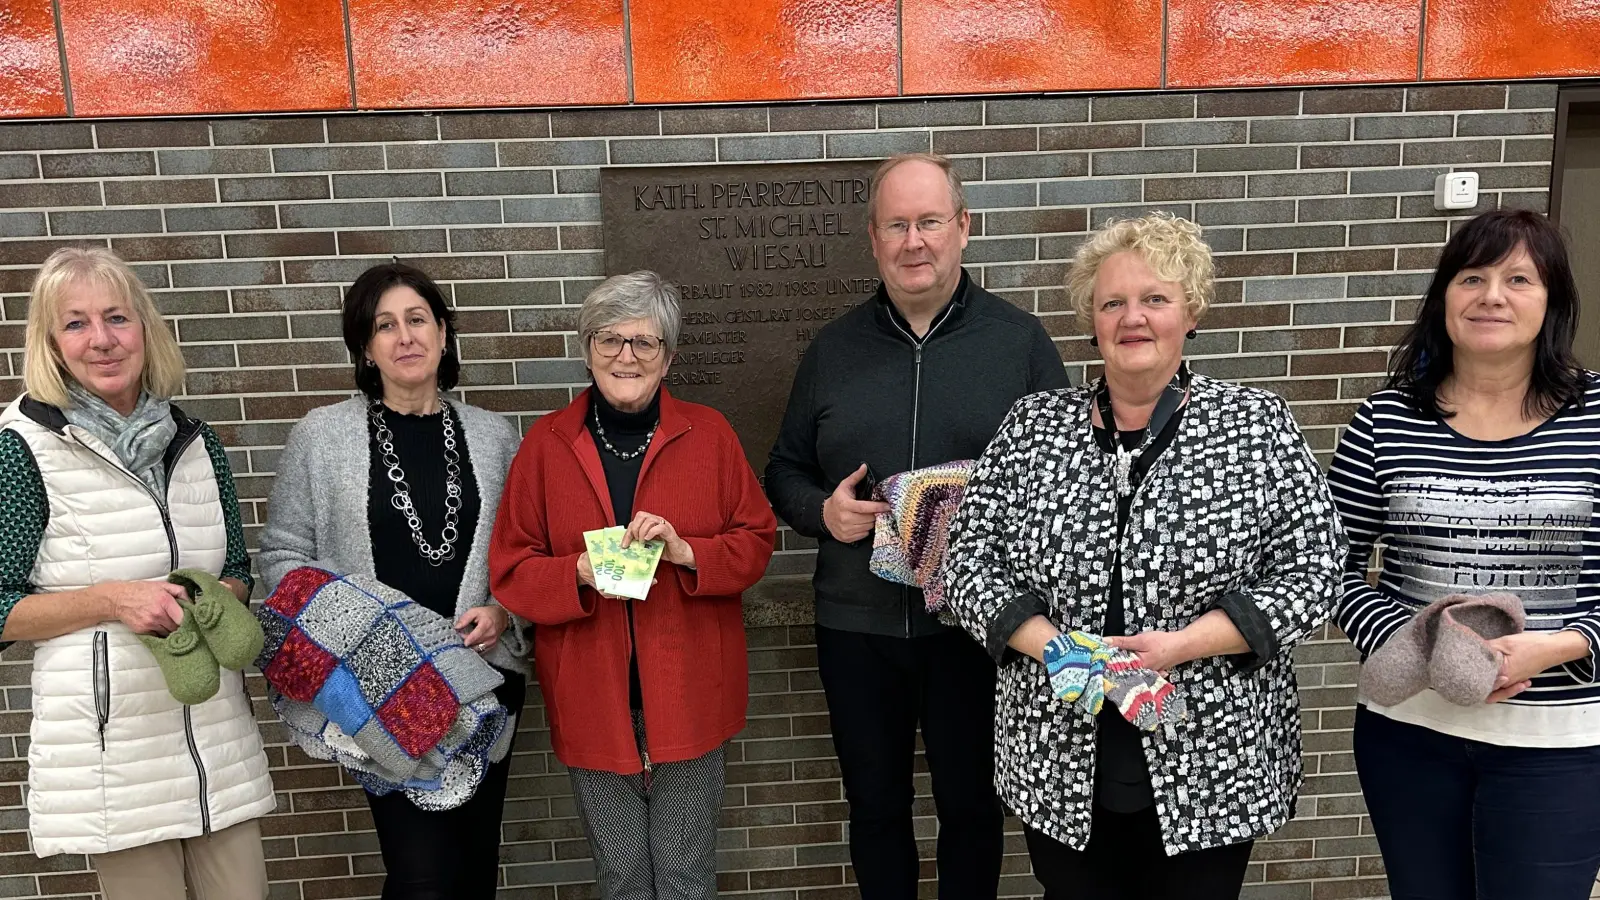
186	663
1074	662
1143	696
232	633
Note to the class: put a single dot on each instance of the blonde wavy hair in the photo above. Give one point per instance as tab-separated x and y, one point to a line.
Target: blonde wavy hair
44	372
1171	246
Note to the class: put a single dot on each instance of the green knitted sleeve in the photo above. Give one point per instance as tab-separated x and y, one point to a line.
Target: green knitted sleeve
238	562
24	510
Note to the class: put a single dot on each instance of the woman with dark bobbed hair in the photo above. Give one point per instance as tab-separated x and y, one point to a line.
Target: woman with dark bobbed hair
1476	468
402	484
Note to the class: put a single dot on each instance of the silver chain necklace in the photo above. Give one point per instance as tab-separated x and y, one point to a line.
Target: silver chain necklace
600	432
402	491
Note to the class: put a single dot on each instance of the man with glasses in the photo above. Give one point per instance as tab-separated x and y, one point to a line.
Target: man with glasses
921	374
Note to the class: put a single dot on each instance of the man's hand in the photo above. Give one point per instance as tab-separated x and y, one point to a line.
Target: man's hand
846	518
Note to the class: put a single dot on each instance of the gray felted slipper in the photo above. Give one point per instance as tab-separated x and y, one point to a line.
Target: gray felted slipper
1462	667
1398	670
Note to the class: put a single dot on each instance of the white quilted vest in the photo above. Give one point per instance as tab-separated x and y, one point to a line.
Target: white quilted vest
114	761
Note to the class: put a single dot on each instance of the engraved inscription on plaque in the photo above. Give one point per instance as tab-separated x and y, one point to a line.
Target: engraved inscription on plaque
765	256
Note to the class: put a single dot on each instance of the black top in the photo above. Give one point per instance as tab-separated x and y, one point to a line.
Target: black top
419	443
626	431
1122	779
869	391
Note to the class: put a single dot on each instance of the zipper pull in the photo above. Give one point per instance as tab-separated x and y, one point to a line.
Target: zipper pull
644	757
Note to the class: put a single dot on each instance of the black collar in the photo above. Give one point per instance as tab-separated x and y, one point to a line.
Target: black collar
949	317
1166	409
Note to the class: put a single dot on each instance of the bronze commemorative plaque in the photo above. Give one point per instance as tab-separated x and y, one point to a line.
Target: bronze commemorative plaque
765	255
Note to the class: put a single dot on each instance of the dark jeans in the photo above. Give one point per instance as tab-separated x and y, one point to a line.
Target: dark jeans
451	854
1125	860
1463	820
879	688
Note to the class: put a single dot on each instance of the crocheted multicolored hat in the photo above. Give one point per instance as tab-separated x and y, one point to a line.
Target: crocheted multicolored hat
908	541
366	677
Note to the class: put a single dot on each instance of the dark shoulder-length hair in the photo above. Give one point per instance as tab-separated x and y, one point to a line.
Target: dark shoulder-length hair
1425	358
361	309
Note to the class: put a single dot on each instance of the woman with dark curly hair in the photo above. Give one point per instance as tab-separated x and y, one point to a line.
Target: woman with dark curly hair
401	483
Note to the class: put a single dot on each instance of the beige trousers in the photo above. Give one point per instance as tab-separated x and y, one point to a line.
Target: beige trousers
225	865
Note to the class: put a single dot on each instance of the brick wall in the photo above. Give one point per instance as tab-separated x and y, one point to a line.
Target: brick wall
1317	202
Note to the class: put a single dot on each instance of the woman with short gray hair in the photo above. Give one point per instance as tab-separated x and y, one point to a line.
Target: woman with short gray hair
642	695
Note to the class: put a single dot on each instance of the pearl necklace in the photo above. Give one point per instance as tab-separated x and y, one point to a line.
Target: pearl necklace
600	432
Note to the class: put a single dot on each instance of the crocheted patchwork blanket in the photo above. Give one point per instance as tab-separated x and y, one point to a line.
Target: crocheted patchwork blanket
364	676
908	541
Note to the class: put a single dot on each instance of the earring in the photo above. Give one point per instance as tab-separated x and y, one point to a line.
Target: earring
1094	342
1191	334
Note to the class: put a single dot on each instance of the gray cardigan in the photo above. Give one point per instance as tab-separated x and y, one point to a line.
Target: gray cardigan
318	511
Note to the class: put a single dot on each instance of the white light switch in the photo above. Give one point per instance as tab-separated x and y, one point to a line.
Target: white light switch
1455	190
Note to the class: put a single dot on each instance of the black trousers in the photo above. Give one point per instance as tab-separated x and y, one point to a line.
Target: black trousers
879	690
1125	860
1458	819
451	854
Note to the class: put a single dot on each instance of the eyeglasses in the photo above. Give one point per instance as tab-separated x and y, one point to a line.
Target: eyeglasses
900	229
645	346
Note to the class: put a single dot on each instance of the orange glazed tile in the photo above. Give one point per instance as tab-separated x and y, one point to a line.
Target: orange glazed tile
412	53
30	60
974	46
1219	43
158	57
1521	39
687	50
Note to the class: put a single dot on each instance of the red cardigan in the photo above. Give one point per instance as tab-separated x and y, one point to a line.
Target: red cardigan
691	652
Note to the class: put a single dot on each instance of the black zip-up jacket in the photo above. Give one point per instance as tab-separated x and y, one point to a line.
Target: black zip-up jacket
868	391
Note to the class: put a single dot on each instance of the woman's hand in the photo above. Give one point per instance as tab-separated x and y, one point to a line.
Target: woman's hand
1525	655
481	626
146	607
586	576
1213	634
586	571
1157	650
650	527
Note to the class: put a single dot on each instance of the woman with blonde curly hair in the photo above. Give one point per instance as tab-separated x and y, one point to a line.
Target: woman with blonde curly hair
1140	556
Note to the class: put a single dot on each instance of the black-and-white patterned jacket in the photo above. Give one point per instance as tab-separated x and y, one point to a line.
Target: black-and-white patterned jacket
1234	514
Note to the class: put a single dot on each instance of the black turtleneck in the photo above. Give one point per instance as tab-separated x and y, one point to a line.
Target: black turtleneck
626	431
419	443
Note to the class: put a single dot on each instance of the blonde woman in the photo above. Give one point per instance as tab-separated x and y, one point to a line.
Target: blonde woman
1166	514
105	488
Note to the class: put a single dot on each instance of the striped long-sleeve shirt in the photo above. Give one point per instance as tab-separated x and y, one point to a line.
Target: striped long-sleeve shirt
1457	515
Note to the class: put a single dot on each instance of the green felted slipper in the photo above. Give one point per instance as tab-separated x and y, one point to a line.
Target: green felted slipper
186	663
229	628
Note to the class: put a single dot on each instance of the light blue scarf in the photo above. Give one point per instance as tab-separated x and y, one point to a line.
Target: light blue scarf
139	440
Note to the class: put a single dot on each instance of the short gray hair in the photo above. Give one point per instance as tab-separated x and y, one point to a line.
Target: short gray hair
636	295
958	196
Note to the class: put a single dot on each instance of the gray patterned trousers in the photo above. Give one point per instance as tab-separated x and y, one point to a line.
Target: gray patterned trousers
655	841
